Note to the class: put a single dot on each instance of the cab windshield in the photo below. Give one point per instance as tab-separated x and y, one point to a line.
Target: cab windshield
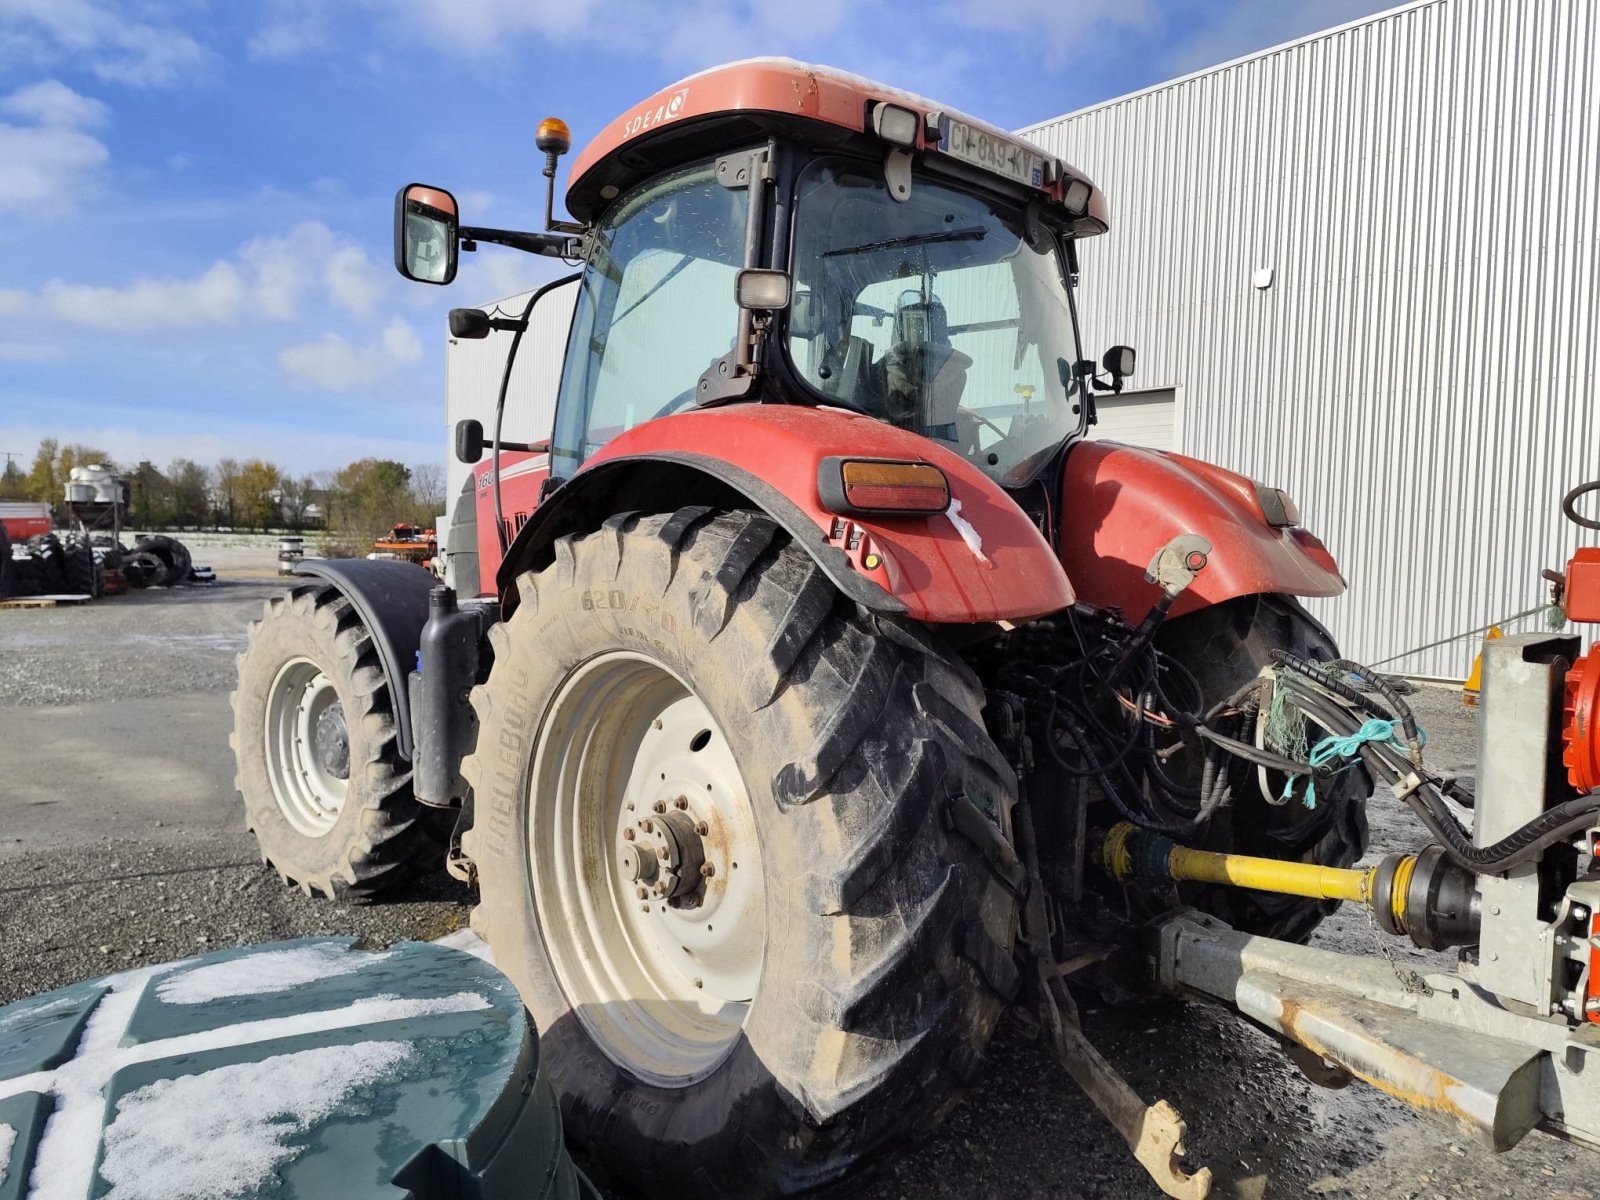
934	313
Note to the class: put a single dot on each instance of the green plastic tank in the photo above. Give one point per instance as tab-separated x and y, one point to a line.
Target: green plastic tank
304	1070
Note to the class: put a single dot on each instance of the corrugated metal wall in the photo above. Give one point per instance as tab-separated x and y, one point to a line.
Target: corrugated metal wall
1420	374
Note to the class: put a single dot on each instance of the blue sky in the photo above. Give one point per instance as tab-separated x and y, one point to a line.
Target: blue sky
198	192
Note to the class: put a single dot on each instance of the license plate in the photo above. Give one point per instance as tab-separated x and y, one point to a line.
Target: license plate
994	153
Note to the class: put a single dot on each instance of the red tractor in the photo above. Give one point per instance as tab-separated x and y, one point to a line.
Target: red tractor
787	692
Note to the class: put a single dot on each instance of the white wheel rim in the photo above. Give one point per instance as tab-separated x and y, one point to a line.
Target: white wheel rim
308	793
662	985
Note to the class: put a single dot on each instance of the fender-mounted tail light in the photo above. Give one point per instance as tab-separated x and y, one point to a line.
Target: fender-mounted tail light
875	485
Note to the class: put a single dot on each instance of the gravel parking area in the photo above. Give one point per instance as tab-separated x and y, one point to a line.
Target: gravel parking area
121	843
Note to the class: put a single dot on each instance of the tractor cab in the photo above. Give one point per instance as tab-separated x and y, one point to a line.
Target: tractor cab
861	249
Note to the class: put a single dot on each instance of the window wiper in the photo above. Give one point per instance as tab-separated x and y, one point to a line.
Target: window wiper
974	233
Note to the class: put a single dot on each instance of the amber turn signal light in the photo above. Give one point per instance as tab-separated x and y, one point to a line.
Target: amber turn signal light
862	485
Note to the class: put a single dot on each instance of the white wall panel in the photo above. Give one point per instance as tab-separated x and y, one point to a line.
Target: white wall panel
1420	376
473	370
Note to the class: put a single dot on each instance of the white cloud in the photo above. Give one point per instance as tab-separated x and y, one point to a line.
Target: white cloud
336	365
50	161
114	47
354	280
216	296
51	102
268	278
1060	30
294	28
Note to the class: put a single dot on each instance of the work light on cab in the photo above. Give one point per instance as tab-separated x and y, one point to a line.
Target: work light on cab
865	485
895	124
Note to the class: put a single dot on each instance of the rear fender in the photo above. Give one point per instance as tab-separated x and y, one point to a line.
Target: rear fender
984	562
1121	504
391	598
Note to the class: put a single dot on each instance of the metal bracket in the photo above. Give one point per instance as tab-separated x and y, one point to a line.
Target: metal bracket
738	171
897	173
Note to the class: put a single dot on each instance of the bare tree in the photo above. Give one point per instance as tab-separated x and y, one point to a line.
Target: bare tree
427	491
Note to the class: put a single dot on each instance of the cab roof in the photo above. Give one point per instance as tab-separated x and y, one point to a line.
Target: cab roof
719	108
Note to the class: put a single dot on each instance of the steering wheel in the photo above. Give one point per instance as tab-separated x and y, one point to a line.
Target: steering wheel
1569	505
978	416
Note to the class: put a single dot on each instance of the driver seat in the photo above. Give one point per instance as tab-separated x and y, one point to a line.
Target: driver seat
924	376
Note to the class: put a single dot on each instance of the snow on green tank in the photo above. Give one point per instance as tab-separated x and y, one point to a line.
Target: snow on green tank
303	1070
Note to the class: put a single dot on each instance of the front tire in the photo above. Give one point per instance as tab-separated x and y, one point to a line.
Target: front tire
766	1027
325	790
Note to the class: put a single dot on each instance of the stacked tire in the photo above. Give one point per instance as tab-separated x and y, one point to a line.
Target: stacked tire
48	557
165	561
80	575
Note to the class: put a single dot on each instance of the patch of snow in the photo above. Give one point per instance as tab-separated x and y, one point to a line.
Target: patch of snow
222	1133
964	527
270	971
63	1167
8	1138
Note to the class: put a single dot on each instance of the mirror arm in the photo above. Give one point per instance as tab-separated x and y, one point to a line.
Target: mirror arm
549	245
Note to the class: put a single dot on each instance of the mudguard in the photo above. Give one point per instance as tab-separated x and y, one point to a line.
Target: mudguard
391	598
1121	504
983	560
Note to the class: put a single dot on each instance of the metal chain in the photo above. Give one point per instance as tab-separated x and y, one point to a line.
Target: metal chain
1410	979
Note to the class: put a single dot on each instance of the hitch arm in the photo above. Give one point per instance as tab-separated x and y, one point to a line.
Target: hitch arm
1154	1132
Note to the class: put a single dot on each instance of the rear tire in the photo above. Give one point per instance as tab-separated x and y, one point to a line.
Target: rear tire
325	790
881	957
1224	646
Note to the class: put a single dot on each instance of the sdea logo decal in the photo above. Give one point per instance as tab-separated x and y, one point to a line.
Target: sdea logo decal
649	118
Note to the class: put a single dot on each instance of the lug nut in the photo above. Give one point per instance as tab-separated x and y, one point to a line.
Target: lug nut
627	835
702	828
707	870
660	806
661	889
641	893
645	825
681	802
644	908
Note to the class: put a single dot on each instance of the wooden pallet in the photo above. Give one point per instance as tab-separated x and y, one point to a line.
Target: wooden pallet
44	601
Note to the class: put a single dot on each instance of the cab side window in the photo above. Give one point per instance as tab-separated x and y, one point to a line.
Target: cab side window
655	309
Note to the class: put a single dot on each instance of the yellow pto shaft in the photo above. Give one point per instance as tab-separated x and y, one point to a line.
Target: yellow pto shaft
1130	852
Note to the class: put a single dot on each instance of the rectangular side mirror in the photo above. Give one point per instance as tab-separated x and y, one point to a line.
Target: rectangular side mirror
1119	361
469	441
426	242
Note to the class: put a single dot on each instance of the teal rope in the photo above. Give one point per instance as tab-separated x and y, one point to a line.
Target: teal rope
1348	748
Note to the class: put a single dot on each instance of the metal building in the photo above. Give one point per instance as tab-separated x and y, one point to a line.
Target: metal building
1363	266
1360	266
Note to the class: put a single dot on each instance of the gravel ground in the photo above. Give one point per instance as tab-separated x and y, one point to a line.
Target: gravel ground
163	869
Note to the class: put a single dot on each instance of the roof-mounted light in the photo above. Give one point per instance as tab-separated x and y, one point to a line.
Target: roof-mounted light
1075	196
895	125
552	136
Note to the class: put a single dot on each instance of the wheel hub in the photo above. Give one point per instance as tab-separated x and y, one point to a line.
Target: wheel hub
332	742
670	856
